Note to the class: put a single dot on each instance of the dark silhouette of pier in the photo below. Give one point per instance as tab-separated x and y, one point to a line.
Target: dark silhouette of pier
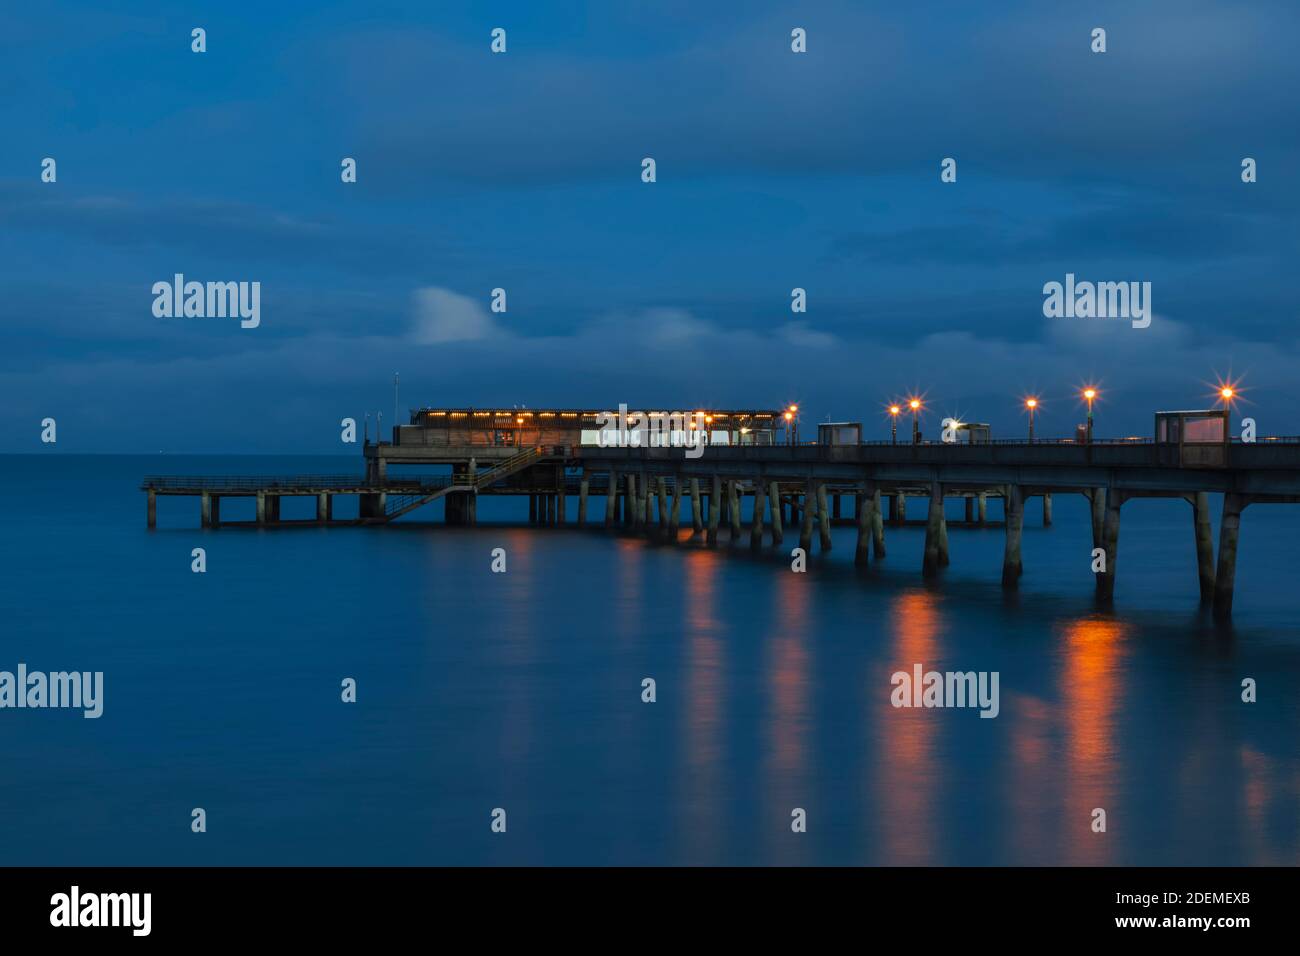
758	491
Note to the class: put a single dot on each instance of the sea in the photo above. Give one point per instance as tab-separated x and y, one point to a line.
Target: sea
500	717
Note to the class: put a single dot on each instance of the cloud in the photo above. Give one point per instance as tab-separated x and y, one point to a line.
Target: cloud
445	316
803	335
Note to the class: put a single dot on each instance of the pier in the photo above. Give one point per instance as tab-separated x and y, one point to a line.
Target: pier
750	488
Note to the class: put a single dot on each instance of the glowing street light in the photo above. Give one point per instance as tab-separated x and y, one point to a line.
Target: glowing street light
915	405
1089	394
792	424
1031	404
893	416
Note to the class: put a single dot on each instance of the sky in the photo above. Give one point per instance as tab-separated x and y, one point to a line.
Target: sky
522	171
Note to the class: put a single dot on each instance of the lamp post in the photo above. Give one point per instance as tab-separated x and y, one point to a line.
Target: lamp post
792	416
1089	394
1031	404
915	406
893	423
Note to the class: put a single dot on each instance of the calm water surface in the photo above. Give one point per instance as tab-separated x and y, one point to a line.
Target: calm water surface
522	691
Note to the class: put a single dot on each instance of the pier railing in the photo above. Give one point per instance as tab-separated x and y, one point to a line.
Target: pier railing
284	483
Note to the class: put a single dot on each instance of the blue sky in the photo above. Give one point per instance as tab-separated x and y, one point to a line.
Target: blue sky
522	171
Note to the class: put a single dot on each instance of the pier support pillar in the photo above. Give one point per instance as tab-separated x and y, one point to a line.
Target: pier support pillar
561	504
1226	575
715	510
629	501
806	525
532	509
611	500
261	506
216	511
756	524
823	518
644	507
322	508
1204	544
970	509
931	562
205	510
1047	509
900	508
583	485
675	509
1110	542
943	533
153	509
697	516
983	502
1014	506
862	505
663	506
877	527
778	533
1098	500
273	509
733	494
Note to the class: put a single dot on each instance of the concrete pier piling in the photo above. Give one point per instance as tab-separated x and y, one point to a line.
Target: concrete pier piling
823	518
756	523
809	512
611	500
675	509
982	500
1014	506
153	509
1047	509
323	508
930	562
205	510
1226	574
900	508
697	518
943	534
1200	503
261	506
1098	500
733	495
1110	543
629	502
877	527
862	506
663	506
774	496
583	485
216	511
715	510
